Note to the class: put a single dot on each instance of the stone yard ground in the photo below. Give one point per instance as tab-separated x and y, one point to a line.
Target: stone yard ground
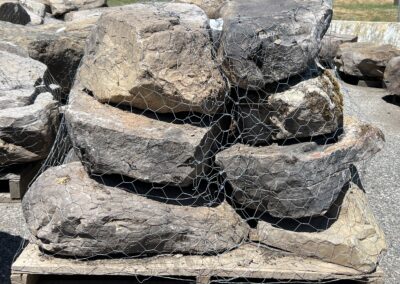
381	181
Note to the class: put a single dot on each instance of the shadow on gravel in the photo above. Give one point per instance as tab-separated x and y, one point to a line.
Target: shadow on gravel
9	246
392	99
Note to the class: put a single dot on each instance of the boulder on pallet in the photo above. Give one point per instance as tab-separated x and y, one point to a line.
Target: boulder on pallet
392	76
264	41
91	219
364	59
298	180
348	234
156	57
330	45
140	145
310	108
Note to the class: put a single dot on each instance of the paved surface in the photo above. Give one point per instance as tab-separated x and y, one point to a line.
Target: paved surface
381	181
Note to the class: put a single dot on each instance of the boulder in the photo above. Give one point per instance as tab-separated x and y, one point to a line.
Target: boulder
392	76
264	41
298	180
90	219
60	7
330	45
21	78
27	133
365	59
139	145
155	56
60	46
13	12
310	108
13	48
211	7
350	235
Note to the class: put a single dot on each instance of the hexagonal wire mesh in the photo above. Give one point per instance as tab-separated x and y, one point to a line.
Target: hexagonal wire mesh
222	142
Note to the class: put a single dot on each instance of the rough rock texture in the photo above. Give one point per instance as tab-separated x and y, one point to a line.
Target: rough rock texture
20	78
330	45
156	56
60	7
113	141
13	12
298	180
392	76
310	108
353	238
60	46
211	7
267	40
90	219
27	133
364	59
13	48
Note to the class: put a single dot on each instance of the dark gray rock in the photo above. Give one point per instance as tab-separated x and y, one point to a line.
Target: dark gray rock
70	214
298	180
114	141
310	108
267	40
392	76
364	59
330	45
13	12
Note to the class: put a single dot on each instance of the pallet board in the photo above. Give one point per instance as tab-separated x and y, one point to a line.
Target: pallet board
248	261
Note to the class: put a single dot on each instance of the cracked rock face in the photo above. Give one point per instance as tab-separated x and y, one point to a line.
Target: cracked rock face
155	56
365	59
113	141
299	180
264	41
353	239
90	219
28	112
310	108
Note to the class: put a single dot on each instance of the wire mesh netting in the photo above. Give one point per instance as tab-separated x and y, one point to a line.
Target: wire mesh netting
191	143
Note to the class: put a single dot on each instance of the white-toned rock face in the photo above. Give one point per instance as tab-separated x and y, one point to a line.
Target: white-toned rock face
60	7
156	57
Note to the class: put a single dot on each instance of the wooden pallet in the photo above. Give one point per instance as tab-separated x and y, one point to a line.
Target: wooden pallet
16	181
250	261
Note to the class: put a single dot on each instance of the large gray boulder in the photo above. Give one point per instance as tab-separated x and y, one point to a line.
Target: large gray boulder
27	133
348	234
298	180
114	141
90	219
365	59
330	45
60	46
392	76
264	41
156	57
310	108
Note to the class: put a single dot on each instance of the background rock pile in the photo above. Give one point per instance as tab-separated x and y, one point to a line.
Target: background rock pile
193	137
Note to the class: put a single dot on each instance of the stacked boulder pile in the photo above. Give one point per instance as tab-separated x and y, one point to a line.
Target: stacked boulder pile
28	110
195	138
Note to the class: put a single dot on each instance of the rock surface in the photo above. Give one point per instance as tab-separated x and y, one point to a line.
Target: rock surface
310	108
157	57
60	7
27	133
266	40
392	76
13	12
13	48
298	180
211	7
60	46
353	239
91	219
113	141
330	45
364	59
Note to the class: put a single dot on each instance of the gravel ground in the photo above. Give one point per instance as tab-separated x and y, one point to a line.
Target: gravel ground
381	180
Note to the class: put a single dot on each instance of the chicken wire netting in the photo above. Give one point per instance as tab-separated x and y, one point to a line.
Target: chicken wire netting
194	147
